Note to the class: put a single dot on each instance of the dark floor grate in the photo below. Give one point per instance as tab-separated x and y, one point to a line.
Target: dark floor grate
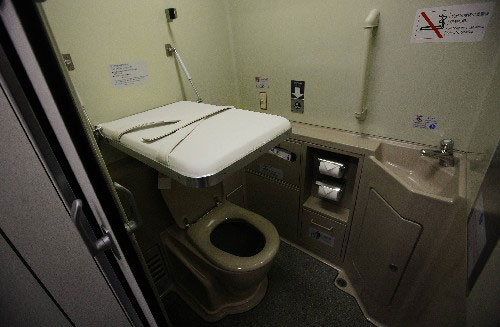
156	267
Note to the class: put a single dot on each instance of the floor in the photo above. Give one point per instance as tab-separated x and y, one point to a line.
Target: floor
301	292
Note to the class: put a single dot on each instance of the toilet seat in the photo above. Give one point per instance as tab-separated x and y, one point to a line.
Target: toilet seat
199	234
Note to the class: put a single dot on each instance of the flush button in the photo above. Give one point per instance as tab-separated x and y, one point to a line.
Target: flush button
297	106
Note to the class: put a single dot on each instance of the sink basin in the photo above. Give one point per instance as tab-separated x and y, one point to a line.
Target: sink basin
419	173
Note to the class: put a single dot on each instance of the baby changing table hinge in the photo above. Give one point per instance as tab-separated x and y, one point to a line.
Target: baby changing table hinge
97	131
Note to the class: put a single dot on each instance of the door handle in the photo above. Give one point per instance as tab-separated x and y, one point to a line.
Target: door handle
135	221
321	226
94	245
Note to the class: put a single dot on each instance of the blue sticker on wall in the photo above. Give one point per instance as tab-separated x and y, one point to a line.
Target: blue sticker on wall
425	122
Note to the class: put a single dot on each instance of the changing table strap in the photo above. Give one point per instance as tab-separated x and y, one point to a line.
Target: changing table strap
164	152
159	137
146	125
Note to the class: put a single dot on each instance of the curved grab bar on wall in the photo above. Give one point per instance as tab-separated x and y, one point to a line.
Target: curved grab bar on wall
371	22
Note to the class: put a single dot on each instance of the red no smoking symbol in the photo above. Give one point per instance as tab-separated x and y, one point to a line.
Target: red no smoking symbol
431	25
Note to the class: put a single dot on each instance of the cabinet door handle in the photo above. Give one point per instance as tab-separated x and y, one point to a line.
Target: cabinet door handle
321	226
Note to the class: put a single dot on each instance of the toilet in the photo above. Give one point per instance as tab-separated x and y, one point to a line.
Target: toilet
219	261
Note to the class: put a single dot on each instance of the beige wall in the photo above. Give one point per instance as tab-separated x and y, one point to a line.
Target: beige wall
226	44
100	33
321	42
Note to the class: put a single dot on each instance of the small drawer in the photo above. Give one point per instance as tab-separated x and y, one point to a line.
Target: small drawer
322	236
278	166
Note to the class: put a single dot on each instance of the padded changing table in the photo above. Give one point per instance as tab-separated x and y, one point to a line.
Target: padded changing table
196	144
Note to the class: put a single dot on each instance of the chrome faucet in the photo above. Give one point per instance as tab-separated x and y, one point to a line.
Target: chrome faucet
445	155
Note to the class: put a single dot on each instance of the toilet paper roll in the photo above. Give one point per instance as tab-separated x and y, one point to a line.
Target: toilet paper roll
331	192
331	168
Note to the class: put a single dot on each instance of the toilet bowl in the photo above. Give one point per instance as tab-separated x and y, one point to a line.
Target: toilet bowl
219	263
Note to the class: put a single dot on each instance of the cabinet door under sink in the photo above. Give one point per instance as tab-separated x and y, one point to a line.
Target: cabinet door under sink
385	245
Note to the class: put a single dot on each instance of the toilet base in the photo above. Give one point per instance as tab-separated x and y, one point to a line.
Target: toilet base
229	309
201	285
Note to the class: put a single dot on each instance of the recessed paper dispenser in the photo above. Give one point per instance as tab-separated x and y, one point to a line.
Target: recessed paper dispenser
331	168
330	191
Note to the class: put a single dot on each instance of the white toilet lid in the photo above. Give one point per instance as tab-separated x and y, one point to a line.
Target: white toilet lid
199	233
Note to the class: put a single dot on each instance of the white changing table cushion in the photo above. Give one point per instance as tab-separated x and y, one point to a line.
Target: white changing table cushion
204	148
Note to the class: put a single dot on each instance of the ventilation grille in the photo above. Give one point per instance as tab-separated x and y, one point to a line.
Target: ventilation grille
156	267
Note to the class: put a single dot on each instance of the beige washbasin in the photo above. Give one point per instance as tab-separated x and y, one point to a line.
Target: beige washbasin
419	173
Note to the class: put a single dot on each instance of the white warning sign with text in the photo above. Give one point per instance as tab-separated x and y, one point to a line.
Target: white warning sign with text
461	23
128	74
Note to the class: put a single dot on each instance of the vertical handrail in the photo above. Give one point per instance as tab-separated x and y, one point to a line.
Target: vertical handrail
371	22
135	221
